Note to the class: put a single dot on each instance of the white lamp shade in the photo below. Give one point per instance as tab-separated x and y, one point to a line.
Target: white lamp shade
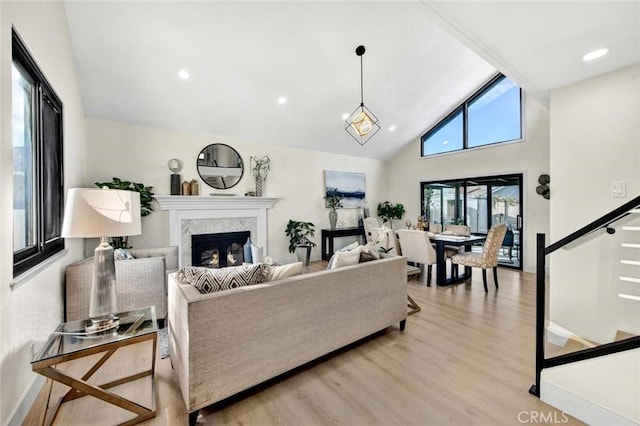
91	213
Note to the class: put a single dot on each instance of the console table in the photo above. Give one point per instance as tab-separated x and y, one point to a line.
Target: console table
328	235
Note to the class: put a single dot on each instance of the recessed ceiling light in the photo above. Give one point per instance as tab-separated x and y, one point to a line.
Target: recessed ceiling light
595	54
392	128
281	100
345	116
445	142
184	74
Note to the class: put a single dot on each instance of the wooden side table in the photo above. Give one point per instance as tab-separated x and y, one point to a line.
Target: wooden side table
70	342
328	235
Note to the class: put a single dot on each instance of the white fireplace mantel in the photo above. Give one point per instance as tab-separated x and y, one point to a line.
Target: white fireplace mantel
184	208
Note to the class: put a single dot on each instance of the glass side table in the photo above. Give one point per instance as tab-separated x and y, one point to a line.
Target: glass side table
70	342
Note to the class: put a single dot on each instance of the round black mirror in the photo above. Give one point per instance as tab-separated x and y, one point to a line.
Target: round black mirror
220	166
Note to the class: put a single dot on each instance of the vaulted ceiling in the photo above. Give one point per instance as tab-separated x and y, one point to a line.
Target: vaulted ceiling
422	58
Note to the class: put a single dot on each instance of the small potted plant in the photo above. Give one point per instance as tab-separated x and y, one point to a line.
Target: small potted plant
260	167
299	233
334	202
388	211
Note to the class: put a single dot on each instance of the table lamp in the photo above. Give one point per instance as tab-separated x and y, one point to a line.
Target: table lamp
91	213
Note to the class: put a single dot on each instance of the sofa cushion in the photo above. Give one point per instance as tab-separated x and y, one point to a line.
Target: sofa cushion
208	280
284	271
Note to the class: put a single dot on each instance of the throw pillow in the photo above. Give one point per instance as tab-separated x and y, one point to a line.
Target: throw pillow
346	258
284	271
122	254
208	280
354	245
350	247
372	250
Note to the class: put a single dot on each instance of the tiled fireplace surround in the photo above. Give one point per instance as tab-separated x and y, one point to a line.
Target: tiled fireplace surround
189	215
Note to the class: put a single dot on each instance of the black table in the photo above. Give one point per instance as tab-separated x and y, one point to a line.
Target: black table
328	235
441	262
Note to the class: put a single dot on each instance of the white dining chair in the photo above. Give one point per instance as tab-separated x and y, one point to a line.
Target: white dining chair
417	248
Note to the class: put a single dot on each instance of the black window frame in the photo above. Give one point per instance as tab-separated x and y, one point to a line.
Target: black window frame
48	170
464	107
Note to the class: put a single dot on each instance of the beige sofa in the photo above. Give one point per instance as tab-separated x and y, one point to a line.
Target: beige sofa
225	342
140	282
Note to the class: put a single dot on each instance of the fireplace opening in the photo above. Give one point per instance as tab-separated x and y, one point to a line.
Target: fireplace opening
218	250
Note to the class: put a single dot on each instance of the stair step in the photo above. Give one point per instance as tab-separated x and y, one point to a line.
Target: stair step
629	297
630	279
630	245
621	335
631	228
630	262
575	343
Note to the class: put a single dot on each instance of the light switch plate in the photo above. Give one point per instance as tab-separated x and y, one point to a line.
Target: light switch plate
619	189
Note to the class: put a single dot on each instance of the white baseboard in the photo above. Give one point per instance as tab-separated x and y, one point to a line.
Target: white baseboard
580	408
27	402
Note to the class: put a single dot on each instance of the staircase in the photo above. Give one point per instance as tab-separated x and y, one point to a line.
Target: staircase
588	347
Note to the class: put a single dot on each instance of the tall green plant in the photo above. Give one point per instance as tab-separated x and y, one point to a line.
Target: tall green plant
388	211
299	233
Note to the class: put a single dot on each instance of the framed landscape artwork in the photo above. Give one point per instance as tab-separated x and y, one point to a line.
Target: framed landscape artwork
349	185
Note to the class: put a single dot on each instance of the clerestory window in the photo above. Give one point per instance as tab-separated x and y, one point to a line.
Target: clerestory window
491	115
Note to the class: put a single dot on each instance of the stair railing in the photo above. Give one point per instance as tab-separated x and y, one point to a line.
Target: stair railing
541	253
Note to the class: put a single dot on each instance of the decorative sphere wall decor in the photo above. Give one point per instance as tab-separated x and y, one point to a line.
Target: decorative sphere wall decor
543	188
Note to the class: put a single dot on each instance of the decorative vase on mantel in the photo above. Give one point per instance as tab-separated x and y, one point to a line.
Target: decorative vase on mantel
259	185
333	219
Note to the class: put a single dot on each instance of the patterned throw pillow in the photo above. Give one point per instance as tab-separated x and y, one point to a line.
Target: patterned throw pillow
208	280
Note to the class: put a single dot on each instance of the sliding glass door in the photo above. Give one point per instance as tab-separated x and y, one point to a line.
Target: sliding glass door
479	203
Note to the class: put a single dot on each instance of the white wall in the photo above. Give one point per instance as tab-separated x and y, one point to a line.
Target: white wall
31	310
595	140
530	157
595	129
582	390
141	153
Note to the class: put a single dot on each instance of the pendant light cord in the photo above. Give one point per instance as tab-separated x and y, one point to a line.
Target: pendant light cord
361	84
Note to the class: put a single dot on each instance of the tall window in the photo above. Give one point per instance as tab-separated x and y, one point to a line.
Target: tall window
491	115
37	163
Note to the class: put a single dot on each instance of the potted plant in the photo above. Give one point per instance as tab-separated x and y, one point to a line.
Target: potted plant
146	197
299	233
388	211
334	202
260	169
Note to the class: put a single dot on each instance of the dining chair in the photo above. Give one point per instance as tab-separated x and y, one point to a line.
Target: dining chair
462	230
489	256
436	228
508	242
370	223
458	230
417	248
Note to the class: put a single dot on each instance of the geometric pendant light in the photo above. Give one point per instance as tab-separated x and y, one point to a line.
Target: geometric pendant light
362	124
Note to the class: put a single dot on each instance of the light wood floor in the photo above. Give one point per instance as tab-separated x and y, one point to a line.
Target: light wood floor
466	358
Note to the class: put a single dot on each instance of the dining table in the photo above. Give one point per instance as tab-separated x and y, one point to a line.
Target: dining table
442	240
